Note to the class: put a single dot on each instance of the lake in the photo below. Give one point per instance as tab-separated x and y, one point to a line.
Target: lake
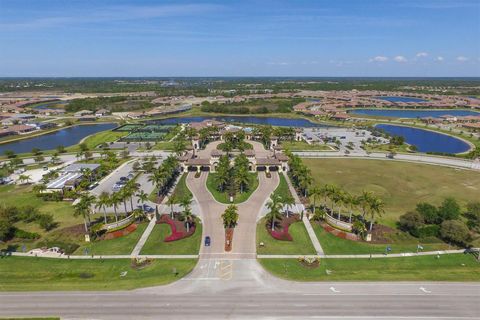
281	122
400	99
49	105
413	113
425	140
65	137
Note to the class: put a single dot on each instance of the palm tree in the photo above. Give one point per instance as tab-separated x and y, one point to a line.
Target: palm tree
123	194
223	172
142	197
364	200
157	178
274	206
314	193
171	201
242	178
83	208
103	202
338	197
114	201
132	188
230	216
352	201
331	193
288	201
187	211
39	188
376	208
24	178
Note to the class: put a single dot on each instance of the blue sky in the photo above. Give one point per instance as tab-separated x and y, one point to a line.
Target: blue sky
240	38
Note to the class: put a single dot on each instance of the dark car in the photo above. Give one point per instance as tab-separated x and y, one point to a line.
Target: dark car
207	241
147	208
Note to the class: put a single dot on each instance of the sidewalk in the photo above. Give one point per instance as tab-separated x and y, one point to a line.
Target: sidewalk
306	222
362	256
89	257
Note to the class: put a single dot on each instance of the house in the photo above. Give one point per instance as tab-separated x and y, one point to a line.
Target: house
82	113
71	177
102	112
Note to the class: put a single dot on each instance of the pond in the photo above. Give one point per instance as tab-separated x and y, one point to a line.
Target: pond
425	140
400	99
280	122
65	137
413	113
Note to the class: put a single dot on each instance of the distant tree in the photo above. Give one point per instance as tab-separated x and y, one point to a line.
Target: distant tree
411	221
473	214
10	154
449	209
455	231
429	213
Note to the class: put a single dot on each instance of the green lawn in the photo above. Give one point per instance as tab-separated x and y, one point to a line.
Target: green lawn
282	188
164	145
21	196
35	274
105	136
454	267
181	189
301	243
122	245
223	197
303	146
401	185
404	243
156	245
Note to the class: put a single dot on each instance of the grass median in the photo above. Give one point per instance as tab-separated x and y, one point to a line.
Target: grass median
46	274
453	267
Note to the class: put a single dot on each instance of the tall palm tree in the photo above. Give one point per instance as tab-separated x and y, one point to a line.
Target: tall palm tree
351	201
132	189
288	201
157	178
242	178
171	201
230	216
274	206
314	193
187	214
39	188
376	208
364	200
24	178
142	198
103	202
114	201
83	208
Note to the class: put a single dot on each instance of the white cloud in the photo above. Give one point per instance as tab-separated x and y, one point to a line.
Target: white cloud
400	59
462	59
440	59
379	59
422	54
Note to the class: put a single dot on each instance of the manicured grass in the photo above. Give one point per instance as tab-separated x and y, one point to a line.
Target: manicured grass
122	245
105	136
303	146
164	145
156	245
223	197
181	190
301	243
401	185
335	245
35	274
282	188
454	267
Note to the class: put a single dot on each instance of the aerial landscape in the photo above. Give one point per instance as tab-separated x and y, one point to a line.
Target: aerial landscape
240	159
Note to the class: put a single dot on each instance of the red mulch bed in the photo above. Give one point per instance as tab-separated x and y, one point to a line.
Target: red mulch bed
177	227
120	233
228	239
281	227
339	233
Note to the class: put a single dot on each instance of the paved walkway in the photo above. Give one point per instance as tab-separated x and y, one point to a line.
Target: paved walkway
306	222
362	256
144	237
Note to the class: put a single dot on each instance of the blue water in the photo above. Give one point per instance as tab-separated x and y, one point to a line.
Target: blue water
48	105
280	122
65	137
426	141
409	113
400	99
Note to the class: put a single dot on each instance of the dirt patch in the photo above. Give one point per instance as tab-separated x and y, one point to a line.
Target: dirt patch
228	239
381	234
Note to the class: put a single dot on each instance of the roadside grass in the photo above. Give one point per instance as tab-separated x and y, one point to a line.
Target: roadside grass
401	185
156	245
223	197
282	189
47	274
181	190
452	267
301	243
335	245
97	139
303	146
164	145
122	245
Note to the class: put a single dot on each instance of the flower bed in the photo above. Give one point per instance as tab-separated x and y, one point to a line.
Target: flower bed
313	262
228	239
120	233
177	228
339	233
281	228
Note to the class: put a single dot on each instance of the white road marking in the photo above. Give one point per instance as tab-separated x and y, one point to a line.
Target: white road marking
425	290
334	290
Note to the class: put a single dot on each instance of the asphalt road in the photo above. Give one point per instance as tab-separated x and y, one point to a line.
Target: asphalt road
241	289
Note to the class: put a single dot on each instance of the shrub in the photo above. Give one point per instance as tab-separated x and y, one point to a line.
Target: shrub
22	234
52	196
410	221
473	214
429	213
431	230
27	214
449	210
67	247
455	231
46	221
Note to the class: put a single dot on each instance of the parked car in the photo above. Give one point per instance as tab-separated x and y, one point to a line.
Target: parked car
130	176
146	208
207	241
92	186
116	187
123	179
